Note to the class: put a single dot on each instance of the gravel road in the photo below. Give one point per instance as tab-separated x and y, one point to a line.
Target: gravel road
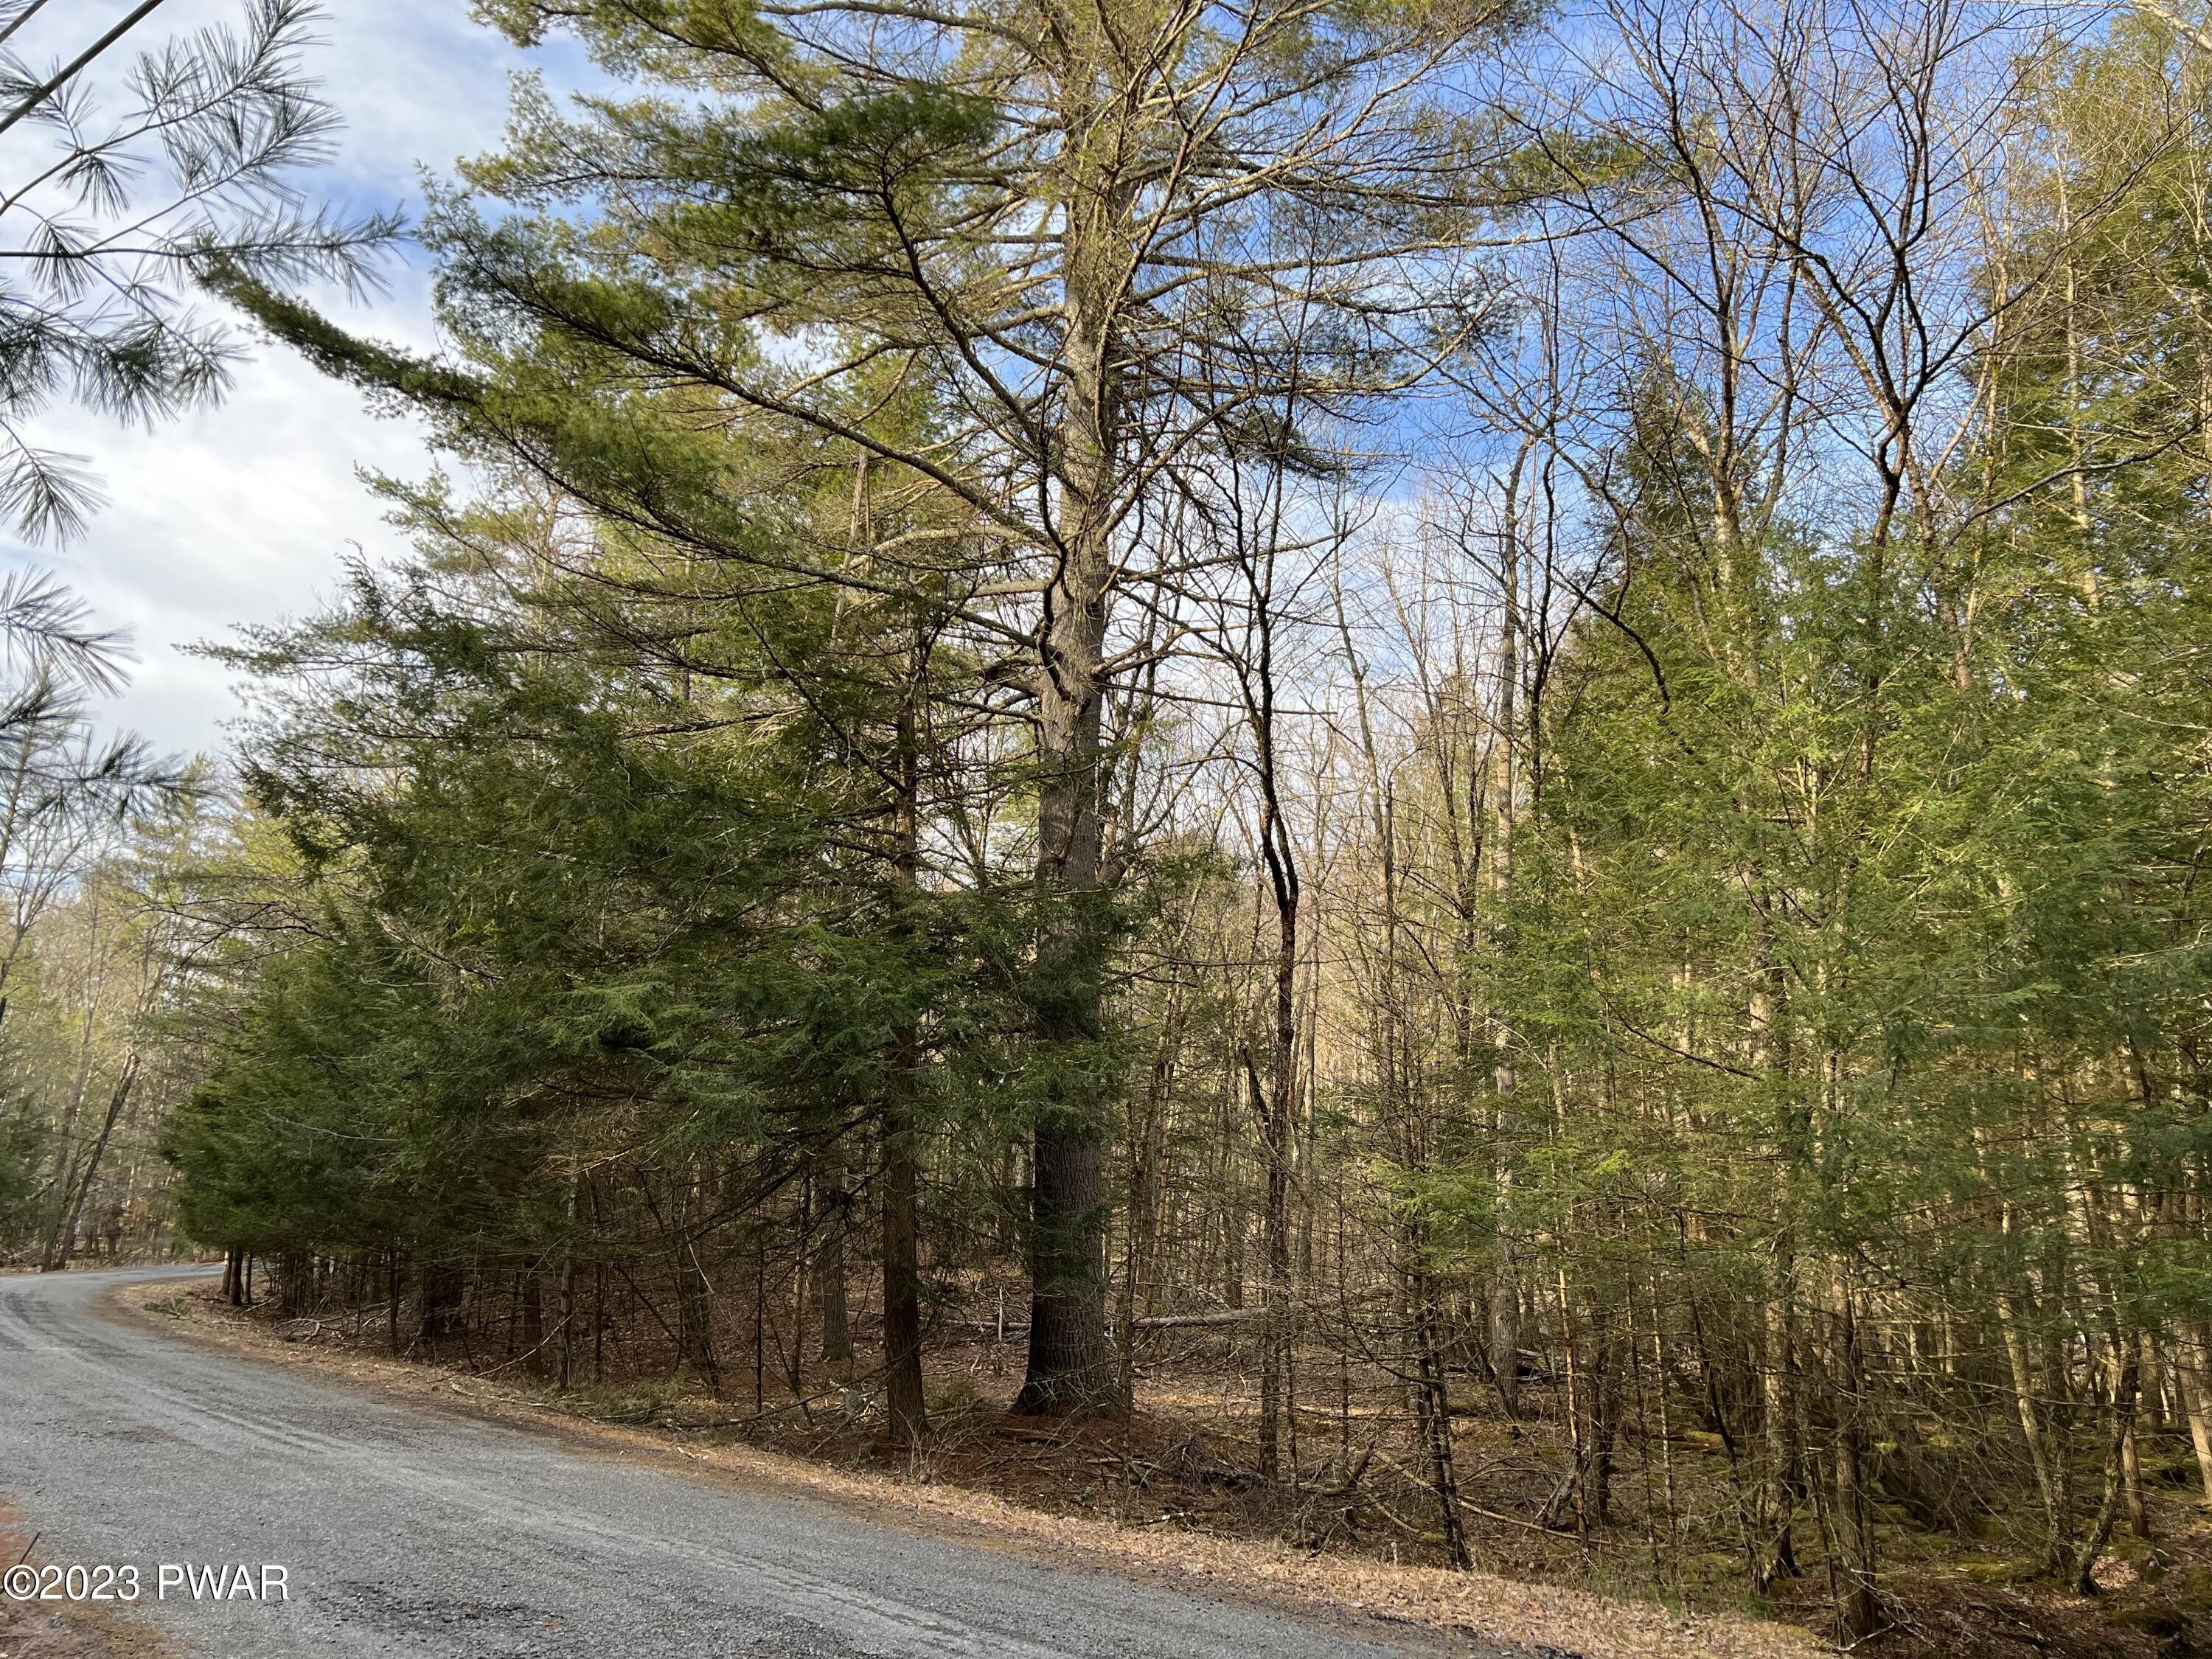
407	1530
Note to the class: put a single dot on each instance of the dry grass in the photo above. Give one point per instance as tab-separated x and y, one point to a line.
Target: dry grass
61	1630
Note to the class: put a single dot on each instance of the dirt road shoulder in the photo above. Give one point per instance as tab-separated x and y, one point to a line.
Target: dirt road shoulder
1375	1596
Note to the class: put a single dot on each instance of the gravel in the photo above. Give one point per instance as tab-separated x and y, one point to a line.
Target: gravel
407	1530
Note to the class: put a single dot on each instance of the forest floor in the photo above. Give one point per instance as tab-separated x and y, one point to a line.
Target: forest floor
65	1629
940	1494
1168	1492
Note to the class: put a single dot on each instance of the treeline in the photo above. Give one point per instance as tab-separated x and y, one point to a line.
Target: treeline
113	207
99	841
1504	712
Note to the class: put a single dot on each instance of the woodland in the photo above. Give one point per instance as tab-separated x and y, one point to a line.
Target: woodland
1427	777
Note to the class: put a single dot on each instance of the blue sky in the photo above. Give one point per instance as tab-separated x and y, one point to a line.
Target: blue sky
242	513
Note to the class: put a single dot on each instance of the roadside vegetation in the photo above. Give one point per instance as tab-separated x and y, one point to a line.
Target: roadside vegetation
137	163
1427	778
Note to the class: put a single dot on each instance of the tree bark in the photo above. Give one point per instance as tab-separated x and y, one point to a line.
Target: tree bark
903	1375
830	1265
533	1319
66	1242
442	1302
2049	1476
1145	1158
1070	1361
1861	1610
2125	1377
1432	1406
2188	1371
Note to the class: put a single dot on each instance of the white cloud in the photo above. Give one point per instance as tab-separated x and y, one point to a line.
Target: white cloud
238	514
242	513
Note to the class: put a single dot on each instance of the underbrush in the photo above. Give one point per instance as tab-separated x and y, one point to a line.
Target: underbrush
1187	1461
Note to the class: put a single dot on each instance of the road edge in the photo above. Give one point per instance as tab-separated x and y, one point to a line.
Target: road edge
1456	1611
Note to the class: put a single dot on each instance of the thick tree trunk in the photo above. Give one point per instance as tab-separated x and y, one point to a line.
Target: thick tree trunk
2189	1371
442	1302
1070	1361
295	1284
533	1319
1599	1387
830	1265
1860	1612
2131	1467
902	1379
1777	1554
